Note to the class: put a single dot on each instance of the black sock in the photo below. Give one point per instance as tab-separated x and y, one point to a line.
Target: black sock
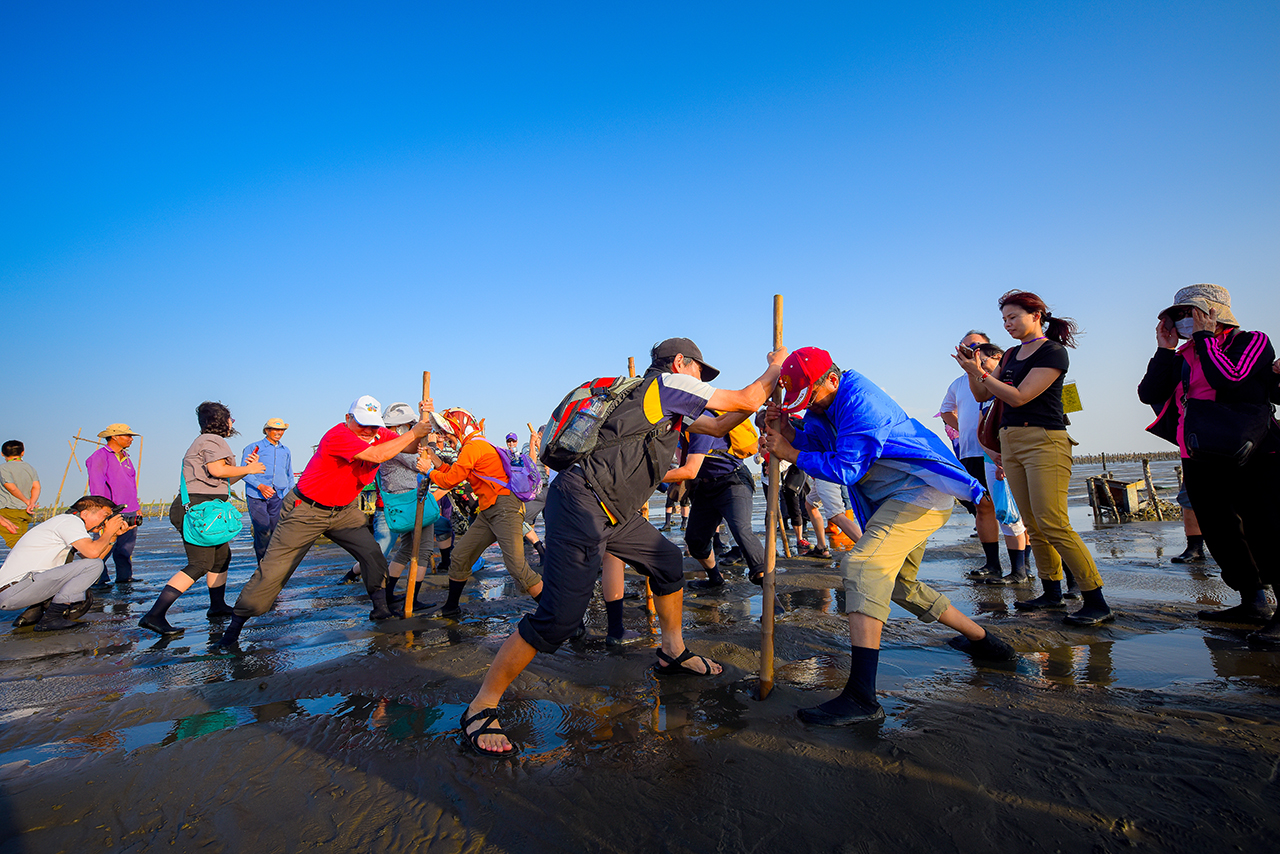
1068	577
859	694
613	611
455	594
667	521
1018	561
1195	542
993	553
392	582
713	574
218	596
168	596
444	559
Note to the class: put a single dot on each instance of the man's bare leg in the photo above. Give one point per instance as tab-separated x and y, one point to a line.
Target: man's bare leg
512	659
516	653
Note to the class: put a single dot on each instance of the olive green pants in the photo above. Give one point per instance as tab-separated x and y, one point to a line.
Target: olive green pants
1037	465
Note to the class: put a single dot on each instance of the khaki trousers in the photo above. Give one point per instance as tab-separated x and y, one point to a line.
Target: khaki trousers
1037	465
501	523
299	527
882	567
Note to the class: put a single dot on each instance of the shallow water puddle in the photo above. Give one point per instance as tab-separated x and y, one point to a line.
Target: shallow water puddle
1157	661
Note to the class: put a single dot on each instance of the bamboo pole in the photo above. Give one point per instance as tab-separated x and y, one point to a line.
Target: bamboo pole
411	591
1151	489
648	591
771	534
57	502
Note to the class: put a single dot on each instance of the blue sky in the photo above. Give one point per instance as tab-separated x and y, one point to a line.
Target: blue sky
283	208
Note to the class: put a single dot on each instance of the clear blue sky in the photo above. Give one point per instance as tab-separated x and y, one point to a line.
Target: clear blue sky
284	206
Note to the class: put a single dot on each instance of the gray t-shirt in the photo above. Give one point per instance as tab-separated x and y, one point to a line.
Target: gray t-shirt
21	475
205	449
399	474
888	479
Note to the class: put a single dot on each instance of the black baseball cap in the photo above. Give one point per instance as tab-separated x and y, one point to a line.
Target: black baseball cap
683	346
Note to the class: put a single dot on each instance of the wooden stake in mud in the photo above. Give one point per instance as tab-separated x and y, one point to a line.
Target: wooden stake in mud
1151	489
410	592
648	591
771	537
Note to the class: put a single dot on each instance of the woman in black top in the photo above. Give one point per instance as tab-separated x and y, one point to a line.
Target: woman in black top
1035	449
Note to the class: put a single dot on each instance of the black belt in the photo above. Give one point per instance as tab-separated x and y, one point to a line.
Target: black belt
315	504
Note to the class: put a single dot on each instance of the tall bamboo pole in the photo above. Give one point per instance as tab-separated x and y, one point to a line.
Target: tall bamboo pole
410	592
771	535
57	502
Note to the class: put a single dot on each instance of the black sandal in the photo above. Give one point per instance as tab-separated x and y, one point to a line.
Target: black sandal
489	716
668	666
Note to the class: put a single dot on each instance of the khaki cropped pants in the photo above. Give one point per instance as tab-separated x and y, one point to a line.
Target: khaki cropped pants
882	566
1037	465
501	523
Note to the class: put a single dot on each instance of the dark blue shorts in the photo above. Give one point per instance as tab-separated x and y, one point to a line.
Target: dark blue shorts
578	535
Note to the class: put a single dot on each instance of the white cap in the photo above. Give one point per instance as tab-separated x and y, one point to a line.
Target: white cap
367	412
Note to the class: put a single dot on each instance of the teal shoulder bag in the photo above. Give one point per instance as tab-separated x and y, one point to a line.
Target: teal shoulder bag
209	523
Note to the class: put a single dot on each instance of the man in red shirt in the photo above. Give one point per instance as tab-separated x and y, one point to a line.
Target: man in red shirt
500	518
325	503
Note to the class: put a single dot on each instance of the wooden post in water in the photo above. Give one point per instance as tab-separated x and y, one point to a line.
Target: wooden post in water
1151	489
410	592
648	591
771	538
57	502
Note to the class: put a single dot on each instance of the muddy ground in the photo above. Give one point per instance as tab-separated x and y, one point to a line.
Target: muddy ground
1157	732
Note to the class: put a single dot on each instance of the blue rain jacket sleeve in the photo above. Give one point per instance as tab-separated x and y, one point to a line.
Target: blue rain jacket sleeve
862	425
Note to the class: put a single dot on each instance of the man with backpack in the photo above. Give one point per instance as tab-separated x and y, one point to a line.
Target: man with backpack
500	518
612	441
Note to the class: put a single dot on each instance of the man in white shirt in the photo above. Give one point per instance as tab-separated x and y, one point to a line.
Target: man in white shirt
36	575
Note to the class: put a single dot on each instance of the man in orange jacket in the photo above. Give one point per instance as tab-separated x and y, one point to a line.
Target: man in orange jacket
500	518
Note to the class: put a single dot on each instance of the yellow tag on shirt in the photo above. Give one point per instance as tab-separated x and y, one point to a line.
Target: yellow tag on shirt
1071	398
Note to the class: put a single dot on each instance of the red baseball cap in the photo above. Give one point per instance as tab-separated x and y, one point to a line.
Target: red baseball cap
800	372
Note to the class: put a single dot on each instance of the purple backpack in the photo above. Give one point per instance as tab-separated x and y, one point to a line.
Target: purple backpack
524	481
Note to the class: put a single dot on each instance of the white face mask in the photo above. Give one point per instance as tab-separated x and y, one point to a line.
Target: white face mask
1186	327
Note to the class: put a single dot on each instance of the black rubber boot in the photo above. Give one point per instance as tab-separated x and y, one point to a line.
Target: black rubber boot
218	607
1253	610
154	620
1267	637
1018	569
380	610
76	610
1094	612
990	570
446	558
1194	552
55	619
1073	588
1050	598
32	615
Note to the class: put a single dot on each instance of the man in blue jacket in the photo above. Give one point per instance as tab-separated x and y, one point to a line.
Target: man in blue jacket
903	482
264	493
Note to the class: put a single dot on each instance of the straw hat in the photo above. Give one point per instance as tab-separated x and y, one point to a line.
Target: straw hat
117	430
1205	297
275	424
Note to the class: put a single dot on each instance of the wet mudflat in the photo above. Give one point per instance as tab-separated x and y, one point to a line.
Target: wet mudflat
1156	732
